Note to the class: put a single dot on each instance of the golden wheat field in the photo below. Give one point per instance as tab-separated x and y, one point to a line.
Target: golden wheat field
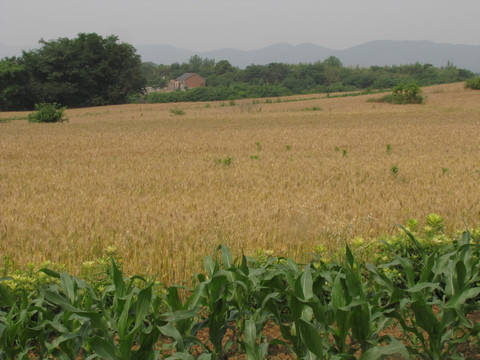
166	189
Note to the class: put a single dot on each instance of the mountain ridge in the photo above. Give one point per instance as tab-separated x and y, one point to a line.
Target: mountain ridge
372	53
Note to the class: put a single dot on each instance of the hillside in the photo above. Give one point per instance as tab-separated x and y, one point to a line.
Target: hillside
379	53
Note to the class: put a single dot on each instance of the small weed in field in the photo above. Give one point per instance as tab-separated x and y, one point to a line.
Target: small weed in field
337	149
268	101
225	162
288	147
389	149
394	170
254	157
232	103
259	146
444	170
177	111
313	108
207	106
344	152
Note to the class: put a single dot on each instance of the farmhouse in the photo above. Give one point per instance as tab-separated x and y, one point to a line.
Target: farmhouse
187	80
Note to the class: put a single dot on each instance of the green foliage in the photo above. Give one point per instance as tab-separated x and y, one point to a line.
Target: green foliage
48	113
473	84
85	71
13	78
405	94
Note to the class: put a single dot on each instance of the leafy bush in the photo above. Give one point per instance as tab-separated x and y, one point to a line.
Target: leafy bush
405	94
473	84
48	113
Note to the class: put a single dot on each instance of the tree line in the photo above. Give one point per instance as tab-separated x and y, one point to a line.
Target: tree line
92	70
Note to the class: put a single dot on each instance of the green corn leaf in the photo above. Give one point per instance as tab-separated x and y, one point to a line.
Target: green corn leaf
461	274
381	279
250	336
414	240
171	331
424	286
198	298
353	304
50	272
181	315
307	283
338	296
5	298
59	340
205	357
57	299
462	296
143	305
405	263
68	286
120	288
349	257
173	300
103	348
226	257
361	323
209	266
123	323
427	273
311	338
425	317
379	352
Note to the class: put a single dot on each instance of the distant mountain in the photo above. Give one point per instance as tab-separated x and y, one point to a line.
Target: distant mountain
381	52
409	52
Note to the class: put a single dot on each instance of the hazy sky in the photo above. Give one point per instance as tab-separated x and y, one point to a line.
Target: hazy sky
243	24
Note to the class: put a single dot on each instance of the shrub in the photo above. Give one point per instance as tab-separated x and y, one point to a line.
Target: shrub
405	94
473	84
48	113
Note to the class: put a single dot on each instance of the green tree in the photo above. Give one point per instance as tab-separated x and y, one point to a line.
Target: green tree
13	79
86	71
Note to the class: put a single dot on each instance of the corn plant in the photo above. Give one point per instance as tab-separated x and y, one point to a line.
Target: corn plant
128	321
356	313
295	308
17	335
105	326
437	300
